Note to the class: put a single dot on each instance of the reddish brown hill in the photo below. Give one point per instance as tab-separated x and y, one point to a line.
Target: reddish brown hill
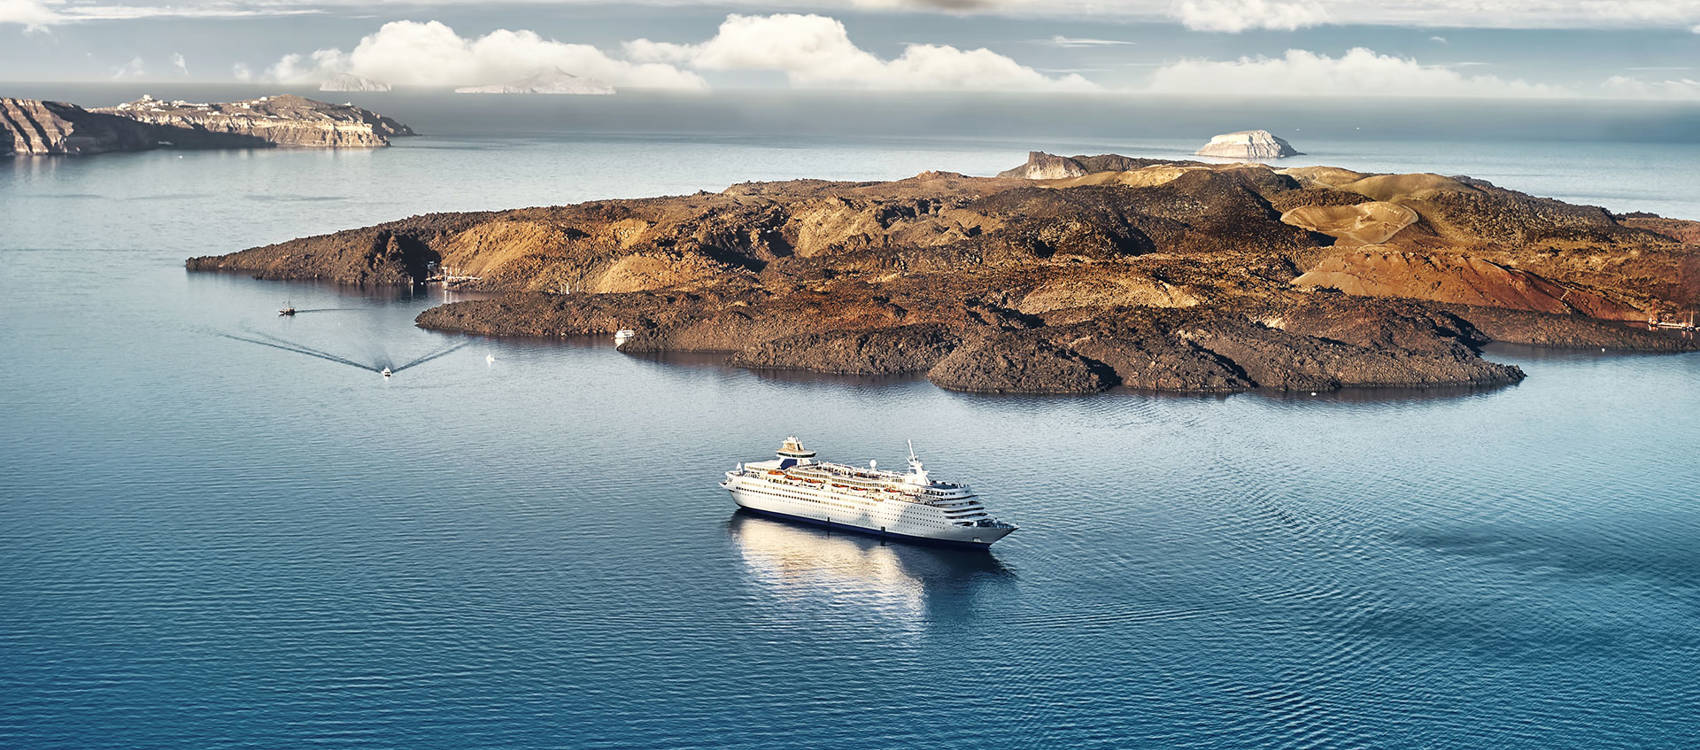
1172	276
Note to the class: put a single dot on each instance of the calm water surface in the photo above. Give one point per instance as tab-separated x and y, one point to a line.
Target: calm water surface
207	543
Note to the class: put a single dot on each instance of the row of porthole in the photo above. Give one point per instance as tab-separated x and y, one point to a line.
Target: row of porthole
806	499
801	497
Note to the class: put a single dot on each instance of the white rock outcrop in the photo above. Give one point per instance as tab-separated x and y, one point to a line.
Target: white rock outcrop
1248	144
555	81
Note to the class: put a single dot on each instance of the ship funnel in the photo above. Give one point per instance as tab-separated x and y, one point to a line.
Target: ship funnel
792	452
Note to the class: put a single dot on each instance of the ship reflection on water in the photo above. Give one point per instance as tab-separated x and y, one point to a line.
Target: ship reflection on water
902	582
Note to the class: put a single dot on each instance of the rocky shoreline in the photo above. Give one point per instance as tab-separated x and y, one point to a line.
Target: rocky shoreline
34	127
1065	275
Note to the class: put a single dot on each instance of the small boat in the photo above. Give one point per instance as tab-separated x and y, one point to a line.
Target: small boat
622	336
386	373
287	311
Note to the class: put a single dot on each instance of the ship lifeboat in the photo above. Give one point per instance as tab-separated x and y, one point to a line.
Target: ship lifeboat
815	481
841	486
775	472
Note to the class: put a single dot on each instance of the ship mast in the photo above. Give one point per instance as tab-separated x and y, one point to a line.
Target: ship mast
917	474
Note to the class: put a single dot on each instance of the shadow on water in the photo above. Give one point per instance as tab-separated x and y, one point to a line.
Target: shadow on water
1531	353
1384	395
1663	553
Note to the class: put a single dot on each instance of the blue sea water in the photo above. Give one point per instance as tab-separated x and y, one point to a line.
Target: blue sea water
207	543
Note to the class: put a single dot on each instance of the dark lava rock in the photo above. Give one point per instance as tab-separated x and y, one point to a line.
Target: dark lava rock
1019	362
1570	331
913	348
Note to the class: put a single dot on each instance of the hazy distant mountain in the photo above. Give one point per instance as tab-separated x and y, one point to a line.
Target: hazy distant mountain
555	81
352	82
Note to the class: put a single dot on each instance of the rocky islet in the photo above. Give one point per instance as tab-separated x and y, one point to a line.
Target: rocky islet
1174	276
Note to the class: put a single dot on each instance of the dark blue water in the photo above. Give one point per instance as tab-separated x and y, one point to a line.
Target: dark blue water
207	543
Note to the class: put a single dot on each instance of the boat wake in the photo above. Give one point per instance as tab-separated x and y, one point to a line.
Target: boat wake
268	340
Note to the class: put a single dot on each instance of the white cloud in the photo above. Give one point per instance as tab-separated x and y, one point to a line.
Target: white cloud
33	15
1067	41
1239	15
1360	72
1624	87
1214	15
135	68
313	68
1438	40
410	53
241	72
816	51
179	63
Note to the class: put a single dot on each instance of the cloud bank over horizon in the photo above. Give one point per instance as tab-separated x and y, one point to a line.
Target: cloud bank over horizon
814	51
1360	72
1225	16
411	53
811	51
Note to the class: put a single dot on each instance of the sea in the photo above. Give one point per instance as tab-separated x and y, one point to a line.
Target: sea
209	543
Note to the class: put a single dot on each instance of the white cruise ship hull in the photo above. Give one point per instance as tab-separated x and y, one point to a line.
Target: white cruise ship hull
882	517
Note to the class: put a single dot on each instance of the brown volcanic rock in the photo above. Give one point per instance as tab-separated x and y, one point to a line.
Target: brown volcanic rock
1296	344
1352	225
1167	276
1019	362
1144	349
1680	230
888	351
397	253
1462	279
1283	361
1570	331
1043	166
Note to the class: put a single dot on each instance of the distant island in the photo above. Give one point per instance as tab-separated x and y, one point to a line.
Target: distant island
1065	275
352	82
1255	145
35	127
557	81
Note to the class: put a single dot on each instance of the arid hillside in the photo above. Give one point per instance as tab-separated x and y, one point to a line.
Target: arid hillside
1105	271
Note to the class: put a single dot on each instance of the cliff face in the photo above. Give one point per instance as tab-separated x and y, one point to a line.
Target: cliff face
30	126
1248	144
285	120
1171	276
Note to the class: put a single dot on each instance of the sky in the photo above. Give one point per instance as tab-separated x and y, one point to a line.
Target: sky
1484	49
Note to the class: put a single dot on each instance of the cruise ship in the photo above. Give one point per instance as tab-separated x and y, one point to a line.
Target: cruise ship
906	505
